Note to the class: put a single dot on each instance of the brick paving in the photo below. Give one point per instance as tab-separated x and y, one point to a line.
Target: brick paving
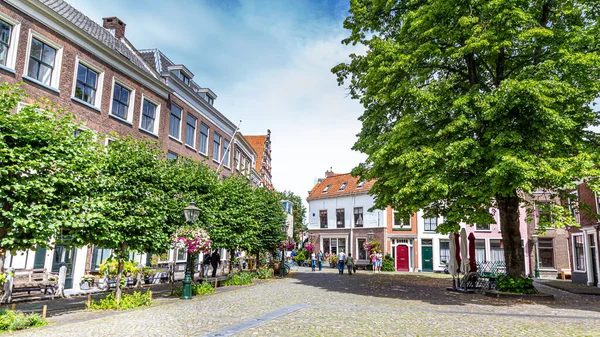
327	304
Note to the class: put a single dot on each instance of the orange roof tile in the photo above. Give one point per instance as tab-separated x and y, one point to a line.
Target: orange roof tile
336	181
258	144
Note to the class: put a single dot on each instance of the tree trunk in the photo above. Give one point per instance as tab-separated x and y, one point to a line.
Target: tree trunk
511	234
231	257
119	273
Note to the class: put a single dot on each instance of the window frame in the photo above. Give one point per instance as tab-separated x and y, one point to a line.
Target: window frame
13	45
361	215
130	105
179	126
216	135
205	152
56	69
488	229
194	127
551	249
341	211
323	215
575	255
156	124
403	226
227	153
425	224
446	250
97	105
95	250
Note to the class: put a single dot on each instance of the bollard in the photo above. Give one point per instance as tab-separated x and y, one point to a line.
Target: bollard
89	302
13	306
44	310
150	296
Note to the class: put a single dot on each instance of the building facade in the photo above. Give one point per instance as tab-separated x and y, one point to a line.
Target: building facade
262	146
583	241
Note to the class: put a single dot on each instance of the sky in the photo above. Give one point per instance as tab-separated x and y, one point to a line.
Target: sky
269	62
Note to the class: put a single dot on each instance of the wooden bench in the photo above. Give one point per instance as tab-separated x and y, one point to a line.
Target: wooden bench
33	280
564	273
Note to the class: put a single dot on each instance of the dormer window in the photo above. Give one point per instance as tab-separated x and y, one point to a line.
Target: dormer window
361	184
343	187
184	78
210	100
326	189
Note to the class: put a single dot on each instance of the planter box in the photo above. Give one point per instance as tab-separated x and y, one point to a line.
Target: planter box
513	296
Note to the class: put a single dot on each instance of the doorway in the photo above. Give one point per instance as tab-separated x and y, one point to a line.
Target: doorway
64	255
593	255
402	262
427	256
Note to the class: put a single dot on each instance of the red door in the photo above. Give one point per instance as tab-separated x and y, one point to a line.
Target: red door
402	258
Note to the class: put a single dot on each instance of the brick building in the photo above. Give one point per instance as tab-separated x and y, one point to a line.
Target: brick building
262	146
583	241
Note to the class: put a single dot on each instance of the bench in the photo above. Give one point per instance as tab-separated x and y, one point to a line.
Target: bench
362	264
28	280
564	273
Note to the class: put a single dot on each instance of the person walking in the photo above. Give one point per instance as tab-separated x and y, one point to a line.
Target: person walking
215	258
341	260
350	264
373	258
320	259
313	261
205	264
379	261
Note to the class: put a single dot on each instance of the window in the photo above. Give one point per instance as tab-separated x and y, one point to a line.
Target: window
184	78
480	250
190	131
86	84
546	253
227	152
216	146
236	159
203	138
181	255
401	223
99	255
5	34
578	254
362	253
543	210
496	251
358	217
41	61
175	121
323	218
444	251
361	184
120	102
210	100
482	227
343	187
172	156
326	189
340	218
334	245
148	116
431	224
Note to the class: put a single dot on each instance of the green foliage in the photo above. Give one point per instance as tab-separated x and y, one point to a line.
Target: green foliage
264	273
269	215
111	265
519	285
240	279
46	173
128	301
473	105
197	289
301	256
388	263
12	321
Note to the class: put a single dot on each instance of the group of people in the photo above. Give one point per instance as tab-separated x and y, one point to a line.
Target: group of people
316	259
211	260
376	260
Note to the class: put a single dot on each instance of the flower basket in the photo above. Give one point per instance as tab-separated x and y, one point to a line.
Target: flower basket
192	240
287	244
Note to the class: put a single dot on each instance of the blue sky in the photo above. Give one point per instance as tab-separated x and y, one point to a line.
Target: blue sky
269	63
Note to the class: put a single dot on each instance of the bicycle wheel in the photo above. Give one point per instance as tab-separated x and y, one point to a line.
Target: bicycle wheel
286	270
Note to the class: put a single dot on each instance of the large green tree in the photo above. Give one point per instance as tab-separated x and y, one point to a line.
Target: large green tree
269	215
45	171
473	104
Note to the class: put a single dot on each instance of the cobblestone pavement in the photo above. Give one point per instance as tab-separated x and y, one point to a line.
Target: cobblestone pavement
327	304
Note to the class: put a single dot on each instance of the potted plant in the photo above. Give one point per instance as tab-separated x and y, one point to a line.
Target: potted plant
148	273
87	281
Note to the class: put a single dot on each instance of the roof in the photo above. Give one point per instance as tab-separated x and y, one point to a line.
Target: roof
258	144
95	30
336	181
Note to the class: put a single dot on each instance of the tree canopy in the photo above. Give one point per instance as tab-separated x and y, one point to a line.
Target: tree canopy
474	104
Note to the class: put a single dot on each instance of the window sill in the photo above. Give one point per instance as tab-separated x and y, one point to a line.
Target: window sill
175	139
548	269
216	161
84	103
34	81
7	69
402	229
483	230
202	153
580	271
120	119
190	147
149	132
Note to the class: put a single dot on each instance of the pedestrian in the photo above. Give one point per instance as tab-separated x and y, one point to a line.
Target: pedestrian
350	264
341	260
293	255
313	261
379	261
373	258
205	264
215	258
320	259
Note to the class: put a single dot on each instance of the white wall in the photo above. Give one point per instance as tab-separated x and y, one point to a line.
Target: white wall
348	203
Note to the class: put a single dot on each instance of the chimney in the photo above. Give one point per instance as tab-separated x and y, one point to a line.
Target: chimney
329	172
114	23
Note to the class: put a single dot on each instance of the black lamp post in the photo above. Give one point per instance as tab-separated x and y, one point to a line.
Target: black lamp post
191	213
534	237
284	229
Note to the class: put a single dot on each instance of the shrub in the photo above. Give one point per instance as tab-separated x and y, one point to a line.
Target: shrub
129	267
519	285
388	263
240	279
301	256
11	321
264	273
197	289
128	301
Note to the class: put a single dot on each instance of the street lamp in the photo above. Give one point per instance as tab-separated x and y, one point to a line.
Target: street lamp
191	213
534	237
284	229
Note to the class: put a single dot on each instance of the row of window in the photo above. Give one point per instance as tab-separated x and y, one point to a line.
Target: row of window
340	218
343	186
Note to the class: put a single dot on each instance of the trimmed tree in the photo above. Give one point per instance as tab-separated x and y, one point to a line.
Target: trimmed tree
268	213
45	171
474	104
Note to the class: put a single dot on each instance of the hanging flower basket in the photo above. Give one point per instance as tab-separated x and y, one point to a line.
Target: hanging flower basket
287	244
193	240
